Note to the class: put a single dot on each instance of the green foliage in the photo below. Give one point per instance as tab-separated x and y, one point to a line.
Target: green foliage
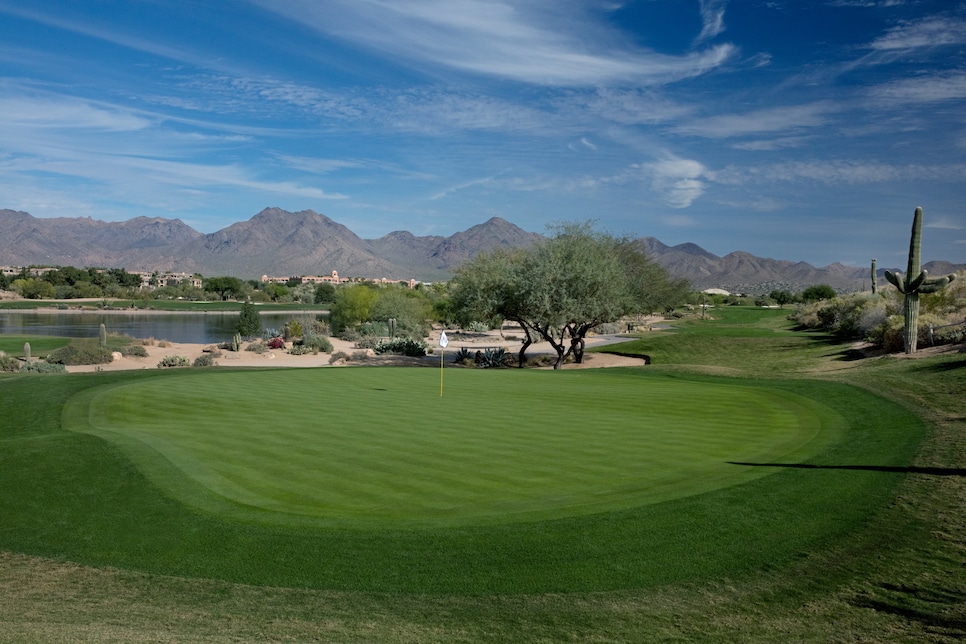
401	346
135	351
324	293
204	360
352	306
462	355
249	321
492	358
817	292
564	287
315	343
81	352
174	361
781	297
226	287
38	366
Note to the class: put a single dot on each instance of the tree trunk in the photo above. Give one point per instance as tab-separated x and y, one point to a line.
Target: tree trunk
910	310
577	346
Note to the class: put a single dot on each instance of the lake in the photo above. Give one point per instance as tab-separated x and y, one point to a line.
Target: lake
194	328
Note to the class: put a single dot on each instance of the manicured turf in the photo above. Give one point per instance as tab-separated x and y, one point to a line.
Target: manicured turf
375	447
77	496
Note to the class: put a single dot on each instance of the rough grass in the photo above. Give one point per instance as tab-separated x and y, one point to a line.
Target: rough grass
895	575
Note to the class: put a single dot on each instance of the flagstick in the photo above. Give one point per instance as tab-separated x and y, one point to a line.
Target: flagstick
441	352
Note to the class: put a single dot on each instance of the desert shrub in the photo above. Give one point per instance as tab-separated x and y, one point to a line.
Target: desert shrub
9	364
276	343
134	350
204	360
42	367
173	361
78	353
374	329
339	355
401	346
492	358
258	346
478	327
889	335
316	343
368	341
268	334
299	350
348	334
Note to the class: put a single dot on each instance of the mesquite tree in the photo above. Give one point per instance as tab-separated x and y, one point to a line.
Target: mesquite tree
914	282
564	287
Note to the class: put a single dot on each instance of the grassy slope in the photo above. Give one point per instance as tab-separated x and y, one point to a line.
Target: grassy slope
898	578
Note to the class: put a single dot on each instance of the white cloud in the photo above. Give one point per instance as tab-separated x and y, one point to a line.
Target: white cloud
770	120
712	15
834	172
677	180
925	89
546	43
66	114
929	32
945	223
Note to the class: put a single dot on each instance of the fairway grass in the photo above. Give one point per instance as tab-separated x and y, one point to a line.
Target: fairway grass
378	447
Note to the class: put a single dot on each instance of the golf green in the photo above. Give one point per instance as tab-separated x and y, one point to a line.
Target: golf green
371	447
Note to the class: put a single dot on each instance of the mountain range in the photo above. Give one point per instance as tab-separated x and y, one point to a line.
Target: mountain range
280	243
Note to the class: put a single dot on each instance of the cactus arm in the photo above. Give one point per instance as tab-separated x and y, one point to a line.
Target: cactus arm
934	284
913	285
896	280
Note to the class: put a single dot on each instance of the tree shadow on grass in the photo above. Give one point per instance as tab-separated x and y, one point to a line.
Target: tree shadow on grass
911	469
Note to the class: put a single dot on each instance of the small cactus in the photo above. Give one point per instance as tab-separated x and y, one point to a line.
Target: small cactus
102	337
914	282
26	350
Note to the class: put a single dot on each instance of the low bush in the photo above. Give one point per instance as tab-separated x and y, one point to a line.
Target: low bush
134	350
173	361
299	350
9	364
204	360
339	355
276	343
79	353
401	346
38	366
316	343
258	346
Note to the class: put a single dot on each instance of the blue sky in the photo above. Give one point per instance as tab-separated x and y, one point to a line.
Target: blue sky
806	130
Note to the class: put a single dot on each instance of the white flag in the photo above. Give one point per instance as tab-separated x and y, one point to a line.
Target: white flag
443	340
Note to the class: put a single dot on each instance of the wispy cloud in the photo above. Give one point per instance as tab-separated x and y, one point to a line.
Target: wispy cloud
559	43
945	223
765	121
839	172
712	17
933	31
933	88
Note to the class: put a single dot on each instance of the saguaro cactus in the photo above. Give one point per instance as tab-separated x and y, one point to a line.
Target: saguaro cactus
26	351
914	282
102	336
874	277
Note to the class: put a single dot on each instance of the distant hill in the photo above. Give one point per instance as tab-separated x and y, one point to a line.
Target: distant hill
280	243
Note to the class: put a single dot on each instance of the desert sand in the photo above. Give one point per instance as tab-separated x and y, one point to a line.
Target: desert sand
281	358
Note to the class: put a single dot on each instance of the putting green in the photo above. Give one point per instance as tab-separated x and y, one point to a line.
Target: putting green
368	447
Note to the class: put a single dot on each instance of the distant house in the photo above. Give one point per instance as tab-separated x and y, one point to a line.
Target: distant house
335	279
